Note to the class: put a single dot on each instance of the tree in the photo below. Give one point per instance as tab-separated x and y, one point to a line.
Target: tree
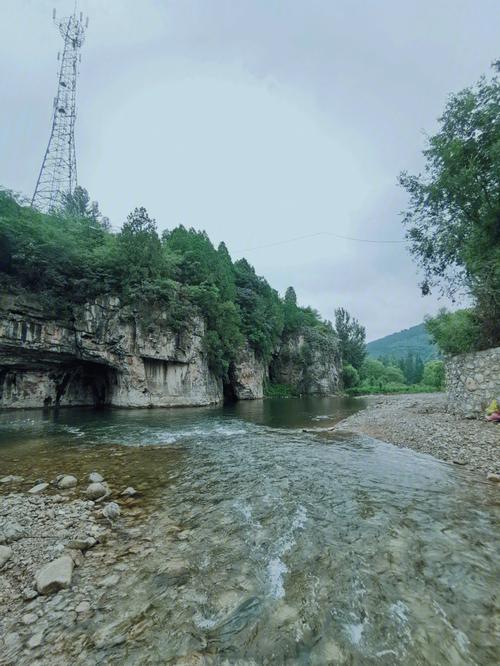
433	374
350	376
453	218
351	337
78	204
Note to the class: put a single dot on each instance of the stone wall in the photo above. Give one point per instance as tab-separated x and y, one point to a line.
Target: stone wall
472	381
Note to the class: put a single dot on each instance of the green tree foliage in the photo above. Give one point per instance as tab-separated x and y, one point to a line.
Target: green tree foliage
77	204
351	336
412	368
433	374
453	218
350	376
455	332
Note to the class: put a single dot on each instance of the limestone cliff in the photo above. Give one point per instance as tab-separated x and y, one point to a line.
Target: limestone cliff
309	362
247	376
101	354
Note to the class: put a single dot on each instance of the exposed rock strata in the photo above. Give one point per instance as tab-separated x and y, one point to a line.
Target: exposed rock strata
103	354
309	362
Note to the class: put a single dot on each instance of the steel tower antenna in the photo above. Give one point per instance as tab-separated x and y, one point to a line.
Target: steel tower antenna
58	173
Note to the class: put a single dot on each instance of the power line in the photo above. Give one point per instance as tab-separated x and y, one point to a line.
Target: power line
322	233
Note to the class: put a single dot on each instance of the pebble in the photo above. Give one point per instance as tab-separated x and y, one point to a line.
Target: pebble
29	594
67	481
36	640
95	477
96	490
5	554
29	618
39	488
111	511
12	478
83	607
129	492
491	476
110	581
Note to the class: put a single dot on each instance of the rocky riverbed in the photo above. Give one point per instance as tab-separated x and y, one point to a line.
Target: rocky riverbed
63	545
422	422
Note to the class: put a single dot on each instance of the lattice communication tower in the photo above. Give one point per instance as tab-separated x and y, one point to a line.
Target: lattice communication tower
57	176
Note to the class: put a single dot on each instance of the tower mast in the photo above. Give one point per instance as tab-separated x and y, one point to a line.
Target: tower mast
57	175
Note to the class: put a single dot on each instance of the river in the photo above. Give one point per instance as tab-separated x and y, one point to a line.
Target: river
296	548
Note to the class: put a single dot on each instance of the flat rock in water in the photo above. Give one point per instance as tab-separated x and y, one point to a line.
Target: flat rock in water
55	576
39	488
5	554
95	477
96	490
12	478
67	481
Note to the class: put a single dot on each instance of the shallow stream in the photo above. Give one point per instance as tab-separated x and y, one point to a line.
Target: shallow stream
272	545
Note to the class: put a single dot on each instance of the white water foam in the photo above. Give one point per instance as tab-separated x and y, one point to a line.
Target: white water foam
276	568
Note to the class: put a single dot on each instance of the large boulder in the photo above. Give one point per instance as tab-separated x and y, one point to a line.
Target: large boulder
55	576
67	481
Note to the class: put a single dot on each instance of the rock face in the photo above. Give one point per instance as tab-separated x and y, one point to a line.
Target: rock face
101	353
247	376
472	381
309	362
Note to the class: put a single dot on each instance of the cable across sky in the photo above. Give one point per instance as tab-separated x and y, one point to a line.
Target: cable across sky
322	233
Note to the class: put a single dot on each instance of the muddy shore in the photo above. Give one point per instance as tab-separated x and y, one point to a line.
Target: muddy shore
421	422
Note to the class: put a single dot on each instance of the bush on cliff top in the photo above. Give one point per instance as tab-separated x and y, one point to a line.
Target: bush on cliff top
75	257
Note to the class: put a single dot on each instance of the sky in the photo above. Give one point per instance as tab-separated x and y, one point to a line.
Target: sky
260	121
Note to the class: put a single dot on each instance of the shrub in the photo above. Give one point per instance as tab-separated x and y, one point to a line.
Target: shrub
350	376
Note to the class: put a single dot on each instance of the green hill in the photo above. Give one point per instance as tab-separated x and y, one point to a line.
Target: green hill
397	345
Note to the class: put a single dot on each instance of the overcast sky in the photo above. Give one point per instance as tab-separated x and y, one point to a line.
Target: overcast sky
257	120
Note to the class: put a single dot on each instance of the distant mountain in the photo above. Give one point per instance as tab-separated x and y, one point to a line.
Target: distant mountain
397	345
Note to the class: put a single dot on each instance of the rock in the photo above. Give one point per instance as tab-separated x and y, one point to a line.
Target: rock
36	640
111	511
96	490
129	492
67	481
29	594
29	618
95	477
5	554
12	478
83	607
110	581
83	543
76	556
11	532
55	576
493	477
39	488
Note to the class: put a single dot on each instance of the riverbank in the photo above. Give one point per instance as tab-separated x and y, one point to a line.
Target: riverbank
422	423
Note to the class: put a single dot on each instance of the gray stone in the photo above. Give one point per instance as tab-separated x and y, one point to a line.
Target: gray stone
36	640
39	488
67	481
5	554
129	492
29	618
111	511
493	477
110	581
55	576
11	532
83	607
82	543
12	478
96	490
472	381
95	477
29	594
